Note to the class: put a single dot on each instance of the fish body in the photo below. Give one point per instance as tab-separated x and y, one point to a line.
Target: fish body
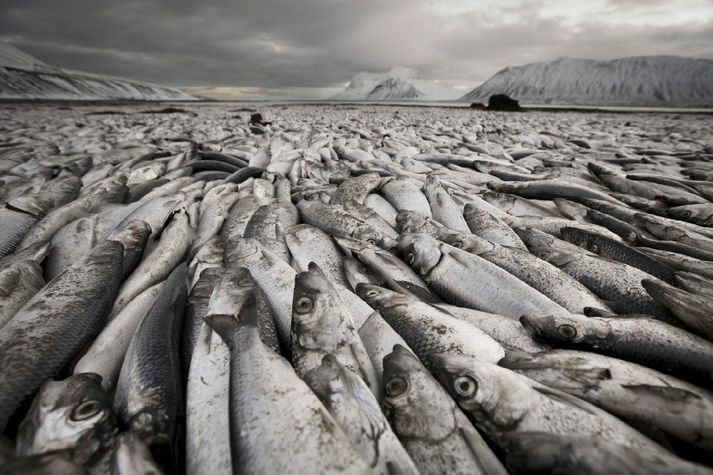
65	315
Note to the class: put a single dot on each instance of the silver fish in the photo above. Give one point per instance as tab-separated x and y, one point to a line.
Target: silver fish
72	415
436	434
277	424
85	291
321	325
352	404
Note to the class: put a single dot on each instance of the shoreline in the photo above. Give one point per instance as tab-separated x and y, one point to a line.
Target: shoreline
425	104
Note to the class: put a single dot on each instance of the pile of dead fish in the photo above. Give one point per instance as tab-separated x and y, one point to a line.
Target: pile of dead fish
353	291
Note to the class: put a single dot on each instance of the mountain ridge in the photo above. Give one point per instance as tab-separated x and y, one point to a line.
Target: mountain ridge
647	81
23	76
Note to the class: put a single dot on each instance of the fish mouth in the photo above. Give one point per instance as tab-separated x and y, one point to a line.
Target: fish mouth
529	323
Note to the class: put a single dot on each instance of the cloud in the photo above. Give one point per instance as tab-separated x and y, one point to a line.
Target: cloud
309	48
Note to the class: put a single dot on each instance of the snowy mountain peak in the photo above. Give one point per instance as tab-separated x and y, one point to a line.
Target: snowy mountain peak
394	88
11	57
398	84
25	77
647	81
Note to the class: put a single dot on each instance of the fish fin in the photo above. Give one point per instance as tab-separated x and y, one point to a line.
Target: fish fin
666	392
223	325
565	398
366	368
420	292
598	312
463	259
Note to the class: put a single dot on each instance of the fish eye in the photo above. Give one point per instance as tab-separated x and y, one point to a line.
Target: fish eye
567	331
396	386
458	244
85	410
595	248
410	258
304	305
465	386
245	282
136	235
371	241
372	293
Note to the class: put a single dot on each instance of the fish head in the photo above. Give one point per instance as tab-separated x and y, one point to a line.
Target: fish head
301	233
566	328
432	185
352	246
244	250
472	211
75	413
133	235
580	238
535	239
34	205
210	252
371	236
420	251
470	242
498	199
502	187
231	290
379	297
314	300
414	401
219	192
413	222
599	171
490	394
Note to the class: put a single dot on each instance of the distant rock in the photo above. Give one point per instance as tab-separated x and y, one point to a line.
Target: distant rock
503	102
25	77
646	81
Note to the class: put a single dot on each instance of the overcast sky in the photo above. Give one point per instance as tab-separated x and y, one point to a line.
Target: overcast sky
311	48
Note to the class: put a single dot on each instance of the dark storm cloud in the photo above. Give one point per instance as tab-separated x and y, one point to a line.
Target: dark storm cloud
289	47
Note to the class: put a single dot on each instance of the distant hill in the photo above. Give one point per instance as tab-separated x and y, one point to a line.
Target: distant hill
397	84
645	81
25	77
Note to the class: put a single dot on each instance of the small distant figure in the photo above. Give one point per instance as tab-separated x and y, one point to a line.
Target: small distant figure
256	118
478	106
503	102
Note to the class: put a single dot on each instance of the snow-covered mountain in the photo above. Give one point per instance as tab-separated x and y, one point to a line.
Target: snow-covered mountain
25	77
398	84
647	81
394	89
